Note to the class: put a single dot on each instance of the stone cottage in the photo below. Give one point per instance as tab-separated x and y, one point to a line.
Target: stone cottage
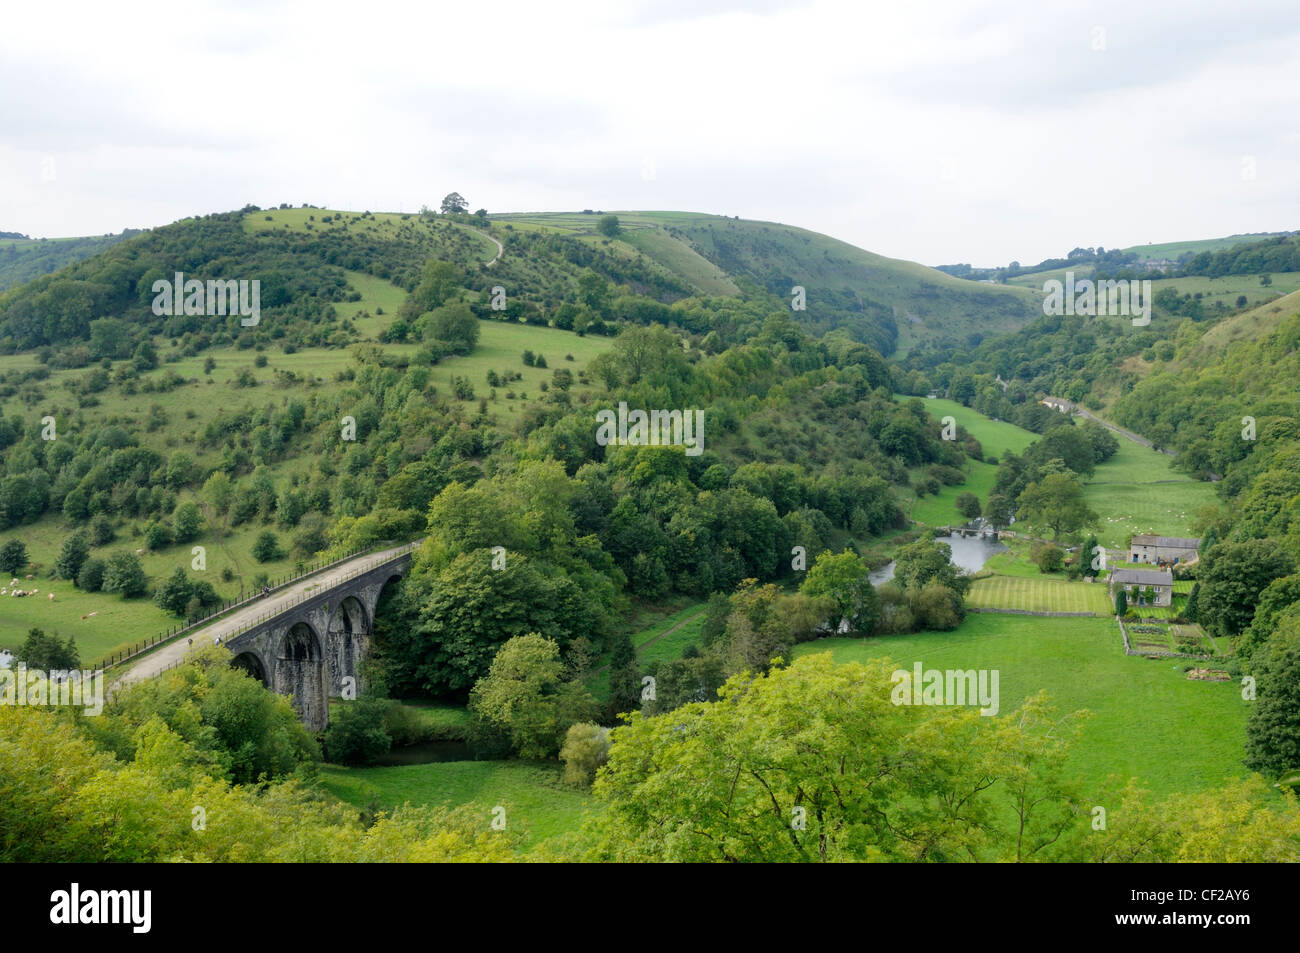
1162	549
1135	582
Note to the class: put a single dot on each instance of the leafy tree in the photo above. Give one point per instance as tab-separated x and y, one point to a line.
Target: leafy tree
158	536
90	578
692	678
257	731
526	694
218	492
47	654
1048	557
1232	576
1273	728
824	738
453	203
593	291
72	556
968	504
186	521
715	618
1000	510
624	675
1121	603
843	578
608	226
927	559
586	746
936	606
1086	556
439	283
175	592
456	325
357	734
266	548
13	556
101	530
460	615
1056	502
124	575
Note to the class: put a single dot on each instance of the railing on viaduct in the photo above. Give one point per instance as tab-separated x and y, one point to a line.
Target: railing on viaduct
147	645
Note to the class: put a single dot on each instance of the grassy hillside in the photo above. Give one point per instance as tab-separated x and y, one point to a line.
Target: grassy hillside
996	437
1138	491
21	260
886	302
1248	325
173	420
1175	250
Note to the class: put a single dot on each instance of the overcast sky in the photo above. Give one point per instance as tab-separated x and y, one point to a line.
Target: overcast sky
938	132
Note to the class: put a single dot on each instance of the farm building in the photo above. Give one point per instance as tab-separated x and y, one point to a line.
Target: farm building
1162	549
1144	587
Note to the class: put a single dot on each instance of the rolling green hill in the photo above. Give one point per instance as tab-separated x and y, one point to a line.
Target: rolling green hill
888	303
1176	250
22	260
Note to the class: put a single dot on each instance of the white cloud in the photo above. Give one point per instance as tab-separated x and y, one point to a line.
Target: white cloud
934	131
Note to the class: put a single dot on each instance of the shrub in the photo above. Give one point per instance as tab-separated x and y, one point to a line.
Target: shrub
13	556
124	575
158	536
586	747
356	734
73	555
90	578
1048	557
267	547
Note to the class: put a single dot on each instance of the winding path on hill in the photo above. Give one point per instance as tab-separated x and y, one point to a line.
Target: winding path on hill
501	249
662	635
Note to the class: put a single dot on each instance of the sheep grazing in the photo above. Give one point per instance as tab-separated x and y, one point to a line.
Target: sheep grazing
51	597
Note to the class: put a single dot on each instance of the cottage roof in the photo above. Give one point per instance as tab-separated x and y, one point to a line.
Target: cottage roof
1168	542
1143	577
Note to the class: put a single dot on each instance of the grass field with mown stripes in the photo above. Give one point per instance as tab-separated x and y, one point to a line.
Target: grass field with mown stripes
1039	595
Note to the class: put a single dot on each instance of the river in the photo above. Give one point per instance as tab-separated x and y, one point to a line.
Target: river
968	552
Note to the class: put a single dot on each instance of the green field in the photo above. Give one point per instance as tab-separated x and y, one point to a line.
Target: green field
1175	250
996	437
658	633
536	799
1149	720
1137	491
1229	287
1226	289
1039	595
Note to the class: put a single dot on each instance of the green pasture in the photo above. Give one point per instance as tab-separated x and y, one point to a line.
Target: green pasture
1149	720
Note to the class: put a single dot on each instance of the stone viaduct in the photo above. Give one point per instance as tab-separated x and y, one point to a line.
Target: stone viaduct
310	649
